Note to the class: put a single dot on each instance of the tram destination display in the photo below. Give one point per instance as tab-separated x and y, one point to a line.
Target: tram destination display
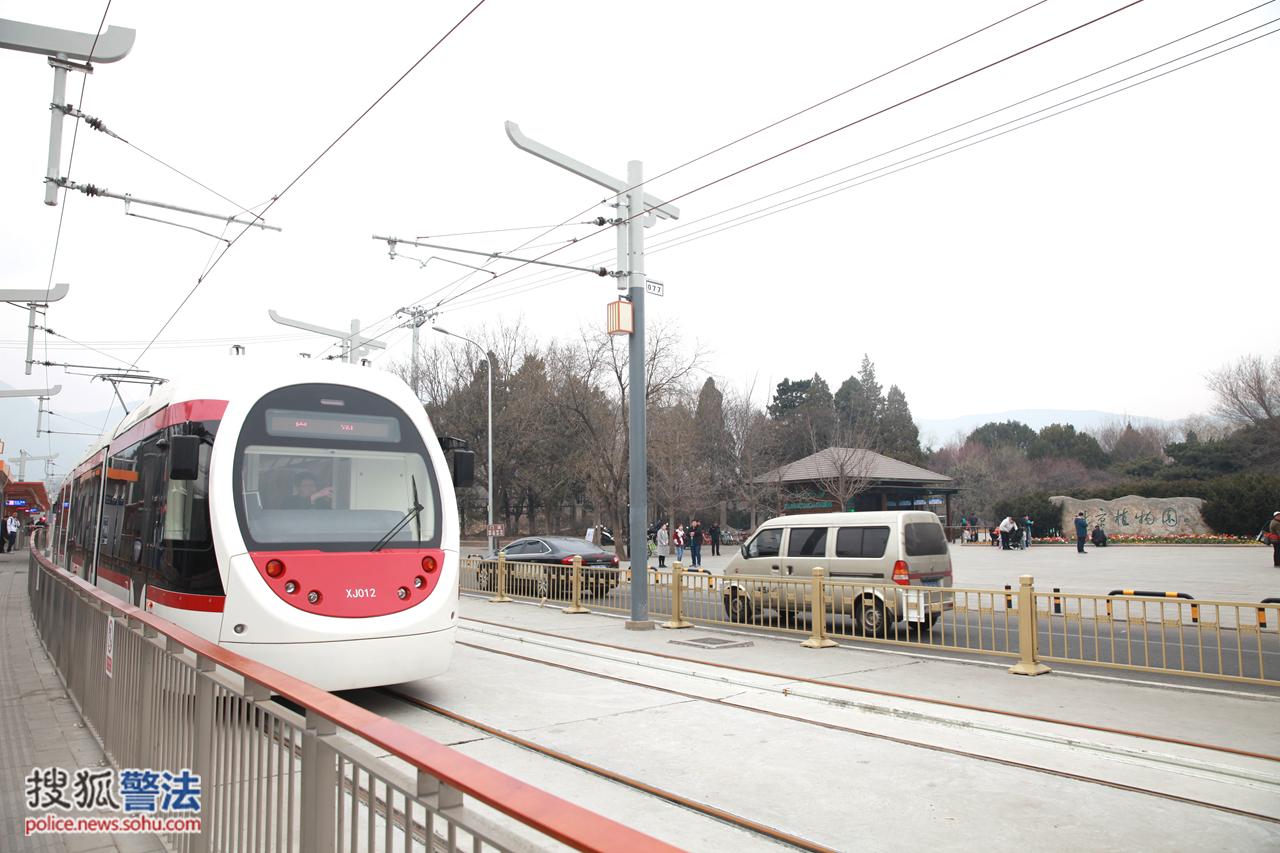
286	422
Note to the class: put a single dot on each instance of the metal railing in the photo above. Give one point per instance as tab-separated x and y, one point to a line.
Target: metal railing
1214	639
157	696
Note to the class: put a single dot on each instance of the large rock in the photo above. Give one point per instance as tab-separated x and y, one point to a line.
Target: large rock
1134	515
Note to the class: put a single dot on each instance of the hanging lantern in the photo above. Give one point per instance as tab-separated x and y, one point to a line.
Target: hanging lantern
620	318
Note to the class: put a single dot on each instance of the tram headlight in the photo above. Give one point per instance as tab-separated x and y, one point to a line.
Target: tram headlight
403	592
314	597
429	564
291	587
275	568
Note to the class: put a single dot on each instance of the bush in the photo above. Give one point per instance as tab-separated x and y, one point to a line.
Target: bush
1046	516
1241	504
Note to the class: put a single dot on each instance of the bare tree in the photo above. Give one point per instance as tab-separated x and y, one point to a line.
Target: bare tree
749	430
678	477
847	467
1248	396
1130	438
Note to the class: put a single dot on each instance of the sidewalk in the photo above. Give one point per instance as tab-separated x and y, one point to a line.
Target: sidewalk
40	727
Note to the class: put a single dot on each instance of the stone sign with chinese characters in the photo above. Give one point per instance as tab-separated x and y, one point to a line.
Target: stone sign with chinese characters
1135	516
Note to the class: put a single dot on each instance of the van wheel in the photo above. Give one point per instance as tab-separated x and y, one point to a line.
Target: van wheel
869	614
738	607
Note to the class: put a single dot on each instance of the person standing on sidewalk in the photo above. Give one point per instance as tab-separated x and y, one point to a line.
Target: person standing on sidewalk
1082	530
1026	532
11	527
677	539
663	542
715	539
1275	539
695	543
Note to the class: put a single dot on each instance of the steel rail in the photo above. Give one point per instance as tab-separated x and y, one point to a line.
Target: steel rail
751	825
693	805
891	695
744	823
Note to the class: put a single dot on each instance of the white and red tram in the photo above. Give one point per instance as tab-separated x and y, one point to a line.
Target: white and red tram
300	513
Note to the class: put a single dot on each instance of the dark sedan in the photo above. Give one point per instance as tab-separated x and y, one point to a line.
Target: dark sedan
599	567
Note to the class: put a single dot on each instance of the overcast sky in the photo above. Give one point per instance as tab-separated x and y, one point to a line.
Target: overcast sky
1130	242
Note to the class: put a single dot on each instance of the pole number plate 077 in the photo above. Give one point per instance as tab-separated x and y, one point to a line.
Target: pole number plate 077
360	593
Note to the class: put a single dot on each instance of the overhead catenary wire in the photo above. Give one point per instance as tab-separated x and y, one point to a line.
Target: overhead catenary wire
854	123
275	199
215	257
672	241
779	122
950	148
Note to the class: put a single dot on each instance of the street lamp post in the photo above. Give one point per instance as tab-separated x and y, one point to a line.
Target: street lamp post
493	542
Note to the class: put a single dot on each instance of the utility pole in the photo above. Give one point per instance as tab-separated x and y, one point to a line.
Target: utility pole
354	345
61	46
641	211
417	316
24	458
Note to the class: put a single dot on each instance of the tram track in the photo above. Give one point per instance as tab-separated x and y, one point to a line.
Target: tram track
724	675
862	690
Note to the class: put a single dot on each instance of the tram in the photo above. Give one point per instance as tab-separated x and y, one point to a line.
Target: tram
299	513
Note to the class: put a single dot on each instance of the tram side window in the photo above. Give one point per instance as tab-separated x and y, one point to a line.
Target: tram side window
86	512
186	523
121	504
164	526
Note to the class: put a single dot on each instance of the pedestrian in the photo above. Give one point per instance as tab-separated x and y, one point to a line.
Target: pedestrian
1275	539
715	539
663	546
1026	532
1098	536
677	539
995	537
11	527
1082	531
695	543
1007	528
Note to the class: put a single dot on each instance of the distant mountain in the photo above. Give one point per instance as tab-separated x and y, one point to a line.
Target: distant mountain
938	432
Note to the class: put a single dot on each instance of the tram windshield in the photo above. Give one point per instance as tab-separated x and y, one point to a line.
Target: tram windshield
303	496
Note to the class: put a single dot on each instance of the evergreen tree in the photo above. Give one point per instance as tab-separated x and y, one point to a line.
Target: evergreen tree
1010	433
898	435
788	397
1063	442
860	400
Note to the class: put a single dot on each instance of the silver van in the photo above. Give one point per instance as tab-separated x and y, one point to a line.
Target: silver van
871	562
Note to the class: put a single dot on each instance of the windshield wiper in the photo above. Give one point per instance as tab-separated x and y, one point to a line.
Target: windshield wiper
413	513
417	510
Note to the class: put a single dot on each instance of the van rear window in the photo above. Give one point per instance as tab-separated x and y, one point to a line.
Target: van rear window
861	541
925	539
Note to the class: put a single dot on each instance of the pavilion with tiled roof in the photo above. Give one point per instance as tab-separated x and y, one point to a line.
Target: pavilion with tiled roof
893	484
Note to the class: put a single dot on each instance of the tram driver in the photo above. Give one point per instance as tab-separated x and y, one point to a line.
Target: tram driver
308	495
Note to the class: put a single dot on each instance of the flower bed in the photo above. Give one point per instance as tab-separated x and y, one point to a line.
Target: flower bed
1177	539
